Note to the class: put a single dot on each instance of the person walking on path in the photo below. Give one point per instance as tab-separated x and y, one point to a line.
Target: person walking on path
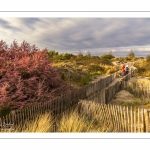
126	69
123	71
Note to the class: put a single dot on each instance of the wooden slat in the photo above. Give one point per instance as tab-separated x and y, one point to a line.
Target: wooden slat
39	106
124	118
146	120
109	115
28	114
6	119
1	125
23	115
138	113
135	121
9	119
34	111
20	117
16	120
128	120
105	114
113	116
43	107
142	120
102	114
116	118
132	123
119	118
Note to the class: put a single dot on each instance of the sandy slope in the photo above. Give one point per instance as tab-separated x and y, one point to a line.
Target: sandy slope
125	98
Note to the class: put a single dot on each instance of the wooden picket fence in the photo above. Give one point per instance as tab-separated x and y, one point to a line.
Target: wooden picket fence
117	118
59	105
55	107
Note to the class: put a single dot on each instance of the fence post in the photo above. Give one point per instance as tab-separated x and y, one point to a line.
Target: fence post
146	120
142	120
132	123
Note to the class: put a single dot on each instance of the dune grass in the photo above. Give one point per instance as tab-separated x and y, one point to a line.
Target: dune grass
71	121
42	123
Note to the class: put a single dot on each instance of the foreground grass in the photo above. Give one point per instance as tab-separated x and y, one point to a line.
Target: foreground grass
86	117
43	123
69	122
80	123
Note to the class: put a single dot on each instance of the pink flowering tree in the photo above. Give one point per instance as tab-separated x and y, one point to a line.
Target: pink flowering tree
26	76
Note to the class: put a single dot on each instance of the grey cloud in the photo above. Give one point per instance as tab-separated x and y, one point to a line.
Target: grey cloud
30	22
7	25
73	34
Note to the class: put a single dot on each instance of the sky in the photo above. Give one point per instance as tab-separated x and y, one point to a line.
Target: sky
69	35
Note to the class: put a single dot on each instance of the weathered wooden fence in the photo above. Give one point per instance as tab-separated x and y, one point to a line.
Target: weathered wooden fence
95	91
55	106
116	118
103	93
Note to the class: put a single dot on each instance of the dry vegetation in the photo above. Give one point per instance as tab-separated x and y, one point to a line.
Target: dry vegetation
29	75
71	121
88	117
80	70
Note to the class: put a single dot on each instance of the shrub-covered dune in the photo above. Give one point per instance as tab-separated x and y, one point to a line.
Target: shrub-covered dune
26	76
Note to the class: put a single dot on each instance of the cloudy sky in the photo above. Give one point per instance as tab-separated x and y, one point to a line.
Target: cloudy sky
69	35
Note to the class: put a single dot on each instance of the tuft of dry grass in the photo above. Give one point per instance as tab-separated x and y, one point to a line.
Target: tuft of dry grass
143	82
42	123
74	123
